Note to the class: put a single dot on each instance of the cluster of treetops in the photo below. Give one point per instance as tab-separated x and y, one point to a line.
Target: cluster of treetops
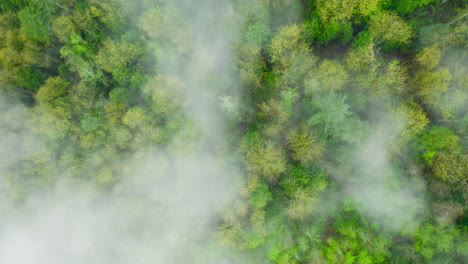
315	79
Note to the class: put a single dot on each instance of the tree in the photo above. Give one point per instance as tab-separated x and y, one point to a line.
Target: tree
63	27
430	57
433	34
266	160
301	204
367	7
382	81
54	89
330	76
166	25
431	240
252	68
52	113
414	119
117	54
135	118
452	166
438	138
35	25
258	33
48	7
335	10
234	236
261	196
332	111
361	58
335	120
446	212
408	6
395	77
305	147
291	56
335	19
431	84
275	116
287	42
388	26
11	5
53	125
22	61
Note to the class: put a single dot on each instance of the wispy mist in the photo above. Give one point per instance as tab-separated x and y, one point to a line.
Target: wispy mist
233	131
383	190
165	208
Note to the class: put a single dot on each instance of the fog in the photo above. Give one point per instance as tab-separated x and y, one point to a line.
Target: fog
165	208
222	100
382	190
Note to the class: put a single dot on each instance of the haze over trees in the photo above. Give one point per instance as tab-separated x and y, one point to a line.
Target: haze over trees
233	131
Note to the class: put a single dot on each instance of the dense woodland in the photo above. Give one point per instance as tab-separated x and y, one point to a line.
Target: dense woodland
346	118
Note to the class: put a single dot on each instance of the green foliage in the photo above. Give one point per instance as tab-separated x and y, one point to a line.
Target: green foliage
90	122
389	27
431	84
332	112
415	119
335	10
258	33
433	240
408	6
234	236
361	58
289	42
432	34
35	25
46	6
52	92
114	55
438	138
363	39
356	243
303	92
304	145
330	75
335	120
301	204
336	30
429	57
261	196
275	115
31	78
11	5
80	46
452	166
267	160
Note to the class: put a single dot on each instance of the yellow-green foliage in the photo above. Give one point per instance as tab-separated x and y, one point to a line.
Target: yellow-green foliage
305	147
237	131
267	160
388	26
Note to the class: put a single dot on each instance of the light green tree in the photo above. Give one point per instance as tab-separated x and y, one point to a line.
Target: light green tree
116	54
330	76
430	57
35	24
431	240
452	166
267	160
438	138
305	147
301	204
387	26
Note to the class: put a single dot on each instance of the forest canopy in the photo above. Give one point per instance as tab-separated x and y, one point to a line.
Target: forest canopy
233	131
